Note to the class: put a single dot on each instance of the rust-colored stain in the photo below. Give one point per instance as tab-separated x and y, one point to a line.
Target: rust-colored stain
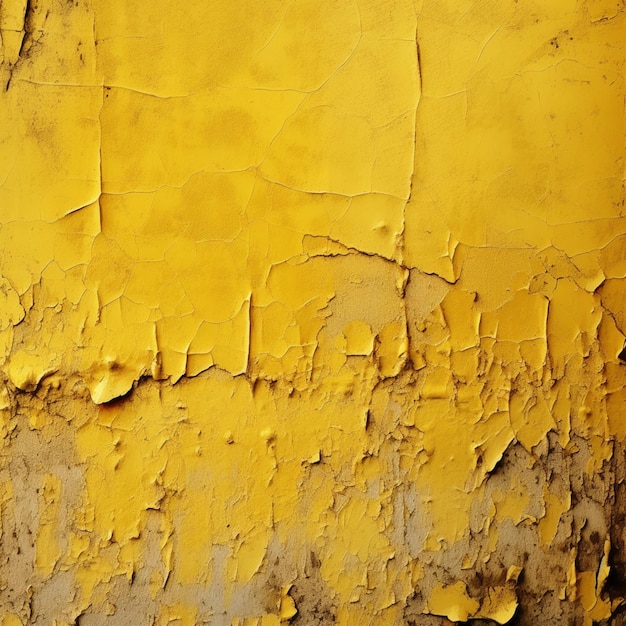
312	312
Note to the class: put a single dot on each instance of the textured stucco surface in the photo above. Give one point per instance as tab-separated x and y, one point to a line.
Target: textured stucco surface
311	312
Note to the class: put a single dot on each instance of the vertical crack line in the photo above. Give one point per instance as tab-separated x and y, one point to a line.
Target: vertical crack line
249	347
28	11
402	237
103	88
25	41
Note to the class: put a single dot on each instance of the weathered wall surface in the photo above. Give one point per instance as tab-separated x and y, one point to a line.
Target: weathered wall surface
310	312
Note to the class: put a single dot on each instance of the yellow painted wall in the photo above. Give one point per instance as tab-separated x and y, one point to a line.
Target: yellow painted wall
310	312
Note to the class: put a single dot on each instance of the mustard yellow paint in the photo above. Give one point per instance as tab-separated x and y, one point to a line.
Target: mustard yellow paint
311	311
180	615
452	601
287	608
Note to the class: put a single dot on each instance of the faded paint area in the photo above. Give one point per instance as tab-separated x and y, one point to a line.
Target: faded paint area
312	312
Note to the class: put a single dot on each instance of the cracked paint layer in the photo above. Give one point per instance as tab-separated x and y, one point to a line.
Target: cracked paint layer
312	313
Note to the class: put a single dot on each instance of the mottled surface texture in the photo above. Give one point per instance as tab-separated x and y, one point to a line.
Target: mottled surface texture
312	312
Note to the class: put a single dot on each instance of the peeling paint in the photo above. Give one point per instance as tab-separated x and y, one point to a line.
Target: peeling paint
312	315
